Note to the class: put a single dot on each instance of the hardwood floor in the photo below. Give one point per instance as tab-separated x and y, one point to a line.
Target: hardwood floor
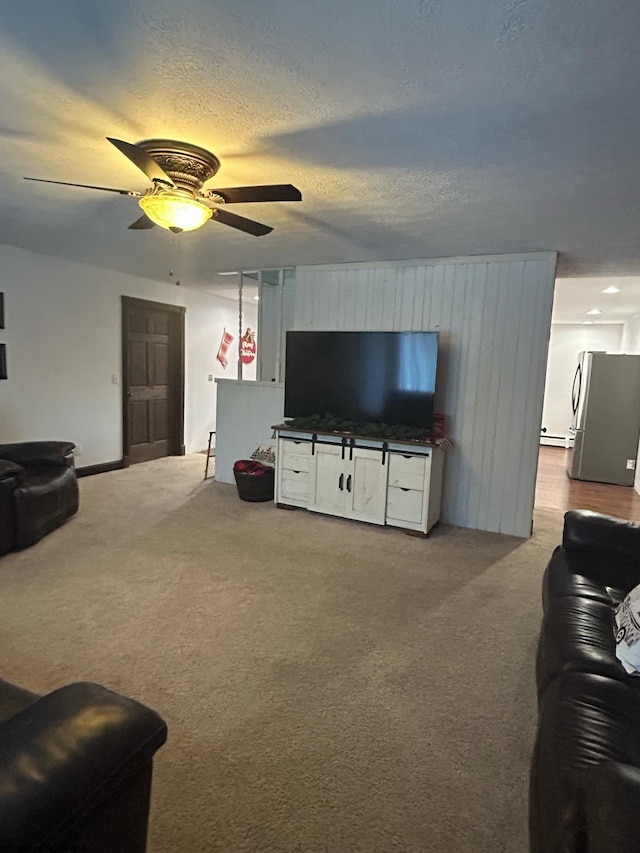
554	490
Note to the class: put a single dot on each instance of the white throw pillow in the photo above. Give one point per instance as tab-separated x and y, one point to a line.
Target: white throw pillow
627	628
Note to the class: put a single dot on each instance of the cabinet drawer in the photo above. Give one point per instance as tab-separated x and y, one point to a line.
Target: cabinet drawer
406	471
404	505
295	462
300	448
295	485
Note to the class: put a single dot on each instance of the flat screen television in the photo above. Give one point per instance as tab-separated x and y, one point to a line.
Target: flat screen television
366	377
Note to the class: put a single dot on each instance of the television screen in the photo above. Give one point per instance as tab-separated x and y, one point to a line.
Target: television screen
367	377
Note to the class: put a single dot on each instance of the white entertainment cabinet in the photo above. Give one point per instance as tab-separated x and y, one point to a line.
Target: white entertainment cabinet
365	479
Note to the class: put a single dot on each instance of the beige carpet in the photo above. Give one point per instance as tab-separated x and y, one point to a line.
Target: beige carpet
328	686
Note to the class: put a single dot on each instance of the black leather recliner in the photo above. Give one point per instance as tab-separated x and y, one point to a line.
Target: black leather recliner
38	490
585	769
75	770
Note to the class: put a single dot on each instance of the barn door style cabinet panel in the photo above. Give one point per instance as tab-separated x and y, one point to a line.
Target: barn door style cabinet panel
364	479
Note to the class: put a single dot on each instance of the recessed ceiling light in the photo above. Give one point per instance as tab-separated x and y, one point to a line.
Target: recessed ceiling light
227	273
612	289
594	311
587	322
257	298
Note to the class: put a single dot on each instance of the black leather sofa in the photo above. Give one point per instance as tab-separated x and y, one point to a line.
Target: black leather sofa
75	770
38	491
585	768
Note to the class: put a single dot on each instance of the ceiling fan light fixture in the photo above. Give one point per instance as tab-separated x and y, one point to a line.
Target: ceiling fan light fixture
175	210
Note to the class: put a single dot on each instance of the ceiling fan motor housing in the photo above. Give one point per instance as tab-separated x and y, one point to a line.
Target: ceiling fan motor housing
188	166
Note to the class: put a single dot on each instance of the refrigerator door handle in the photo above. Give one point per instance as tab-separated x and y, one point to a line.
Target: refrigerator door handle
576	388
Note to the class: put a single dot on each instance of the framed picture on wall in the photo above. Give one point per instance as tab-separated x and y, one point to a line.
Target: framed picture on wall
3	361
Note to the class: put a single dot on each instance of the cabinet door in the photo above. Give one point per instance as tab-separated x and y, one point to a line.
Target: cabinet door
329	489
366	486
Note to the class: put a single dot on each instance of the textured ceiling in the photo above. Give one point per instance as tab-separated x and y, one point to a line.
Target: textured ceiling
420	128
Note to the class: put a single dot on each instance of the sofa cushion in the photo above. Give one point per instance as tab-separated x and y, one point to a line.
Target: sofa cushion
613	817
10	470
10	476
75	772
43	500
39	453
578	635
587	576
584	720
14	699
594	533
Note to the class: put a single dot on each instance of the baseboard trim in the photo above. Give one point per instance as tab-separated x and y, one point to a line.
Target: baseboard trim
90	470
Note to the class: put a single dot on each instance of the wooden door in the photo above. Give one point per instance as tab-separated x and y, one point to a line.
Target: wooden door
152	380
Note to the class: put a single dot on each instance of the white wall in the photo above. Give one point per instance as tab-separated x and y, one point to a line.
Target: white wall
63	336
631	344
566	341
631	336
494	316
247	412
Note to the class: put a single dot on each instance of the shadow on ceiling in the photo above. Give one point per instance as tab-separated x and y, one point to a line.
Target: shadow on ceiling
565	132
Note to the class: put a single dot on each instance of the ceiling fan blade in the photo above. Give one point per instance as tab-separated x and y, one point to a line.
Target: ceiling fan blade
239	222
132	193
272	192
142	224
142	160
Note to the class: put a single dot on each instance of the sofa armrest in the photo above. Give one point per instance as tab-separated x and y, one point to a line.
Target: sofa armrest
612	804
9	470
64	755
39	454
602	534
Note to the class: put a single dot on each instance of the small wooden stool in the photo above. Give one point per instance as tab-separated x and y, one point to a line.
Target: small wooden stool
210	452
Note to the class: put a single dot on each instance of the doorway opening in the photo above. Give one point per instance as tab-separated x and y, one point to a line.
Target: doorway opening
590	423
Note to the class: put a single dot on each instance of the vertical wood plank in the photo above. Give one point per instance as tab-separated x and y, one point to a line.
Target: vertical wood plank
406	283
517	413
455	462
502	467
474	412
418	302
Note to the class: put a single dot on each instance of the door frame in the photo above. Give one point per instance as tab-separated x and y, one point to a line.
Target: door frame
176	370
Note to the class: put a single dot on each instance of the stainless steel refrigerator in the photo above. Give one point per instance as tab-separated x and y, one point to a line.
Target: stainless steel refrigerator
605	401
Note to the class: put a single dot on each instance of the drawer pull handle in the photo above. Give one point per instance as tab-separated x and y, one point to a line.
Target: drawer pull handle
341	482
407	456
295	472
404	489
349	483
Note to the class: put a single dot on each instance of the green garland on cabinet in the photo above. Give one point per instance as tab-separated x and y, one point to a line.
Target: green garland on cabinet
330	423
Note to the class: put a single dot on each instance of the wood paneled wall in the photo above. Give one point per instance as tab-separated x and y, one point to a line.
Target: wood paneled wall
494	318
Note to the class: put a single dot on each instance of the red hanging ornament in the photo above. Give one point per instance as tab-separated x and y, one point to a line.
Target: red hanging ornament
248	347
225	343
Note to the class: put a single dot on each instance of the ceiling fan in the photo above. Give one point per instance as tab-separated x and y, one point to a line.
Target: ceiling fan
176	200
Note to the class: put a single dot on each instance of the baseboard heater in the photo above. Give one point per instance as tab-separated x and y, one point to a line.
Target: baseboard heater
554	440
